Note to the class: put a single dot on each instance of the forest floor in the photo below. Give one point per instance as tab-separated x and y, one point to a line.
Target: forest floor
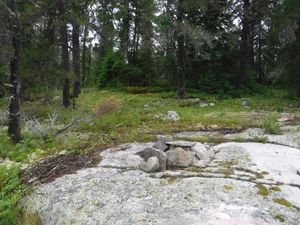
103	119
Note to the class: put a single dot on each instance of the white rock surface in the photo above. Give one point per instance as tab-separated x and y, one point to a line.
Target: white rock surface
109	196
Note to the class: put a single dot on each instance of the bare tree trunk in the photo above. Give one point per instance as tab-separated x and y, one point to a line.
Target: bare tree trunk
83	59
76	59
181	51
64	53
245	46
89	61
14	128
125	30
260	65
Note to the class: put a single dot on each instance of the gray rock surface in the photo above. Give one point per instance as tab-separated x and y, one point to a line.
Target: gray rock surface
179	157
225	193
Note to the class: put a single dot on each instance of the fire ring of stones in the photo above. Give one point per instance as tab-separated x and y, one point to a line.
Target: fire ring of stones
174	154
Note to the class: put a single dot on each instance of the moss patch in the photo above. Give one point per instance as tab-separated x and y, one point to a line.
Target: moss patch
228	187
279	217
171	180
194	169
262	190
286	203
275	189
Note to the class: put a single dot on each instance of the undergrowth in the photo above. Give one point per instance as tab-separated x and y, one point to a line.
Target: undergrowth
11	191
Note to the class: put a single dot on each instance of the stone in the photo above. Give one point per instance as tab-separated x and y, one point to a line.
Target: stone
149	152
203	155
179	157
298	171
172	116
203	151
203	105
161	146
245	103
151	166
162	140
284	117
187	145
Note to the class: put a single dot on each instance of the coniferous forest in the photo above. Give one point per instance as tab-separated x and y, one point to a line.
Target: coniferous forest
89	66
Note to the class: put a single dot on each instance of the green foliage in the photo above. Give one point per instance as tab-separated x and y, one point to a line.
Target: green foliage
110	67
11	191
17	152
271	125
114	72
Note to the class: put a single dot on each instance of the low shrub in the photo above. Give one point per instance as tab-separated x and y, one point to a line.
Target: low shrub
107	106
271	125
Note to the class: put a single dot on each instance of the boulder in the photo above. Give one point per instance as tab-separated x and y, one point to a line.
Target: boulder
203	155
162	140
152	165
245	103
179	157
172	116
149	152
203	151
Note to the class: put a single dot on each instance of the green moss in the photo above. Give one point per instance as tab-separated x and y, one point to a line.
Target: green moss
261	175
228	187
171	180
262	190
279	217
275	189
194	169
286	203
260	139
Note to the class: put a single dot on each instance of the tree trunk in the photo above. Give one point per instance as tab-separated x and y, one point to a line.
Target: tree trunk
64	53
76	59
259	63
181	51
125	30
14	128
83	60
245	46
90	62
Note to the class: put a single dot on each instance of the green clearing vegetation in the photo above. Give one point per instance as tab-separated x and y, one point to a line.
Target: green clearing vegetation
107	118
